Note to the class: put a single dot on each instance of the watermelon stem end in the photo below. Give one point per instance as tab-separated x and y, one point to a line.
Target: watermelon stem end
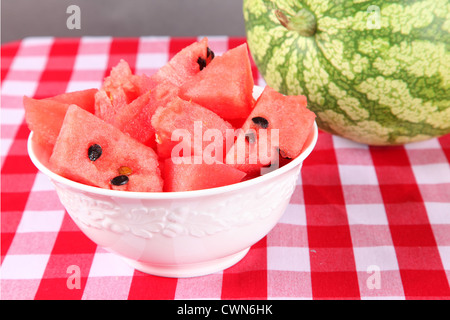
304	22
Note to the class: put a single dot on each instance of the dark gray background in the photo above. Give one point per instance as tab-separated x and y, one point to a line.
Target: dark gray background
24	18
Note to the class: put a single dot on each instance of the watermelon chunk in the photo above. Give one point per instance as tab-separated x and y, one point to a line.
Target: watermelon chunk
189	174
186	63
190	122
119	89
83	98
45	116
291	119
225	86
134	119
91	151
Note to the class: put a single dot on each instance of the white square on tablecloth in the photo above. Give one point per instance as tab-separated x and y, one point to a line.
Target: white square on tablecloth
82	85
19	88
5	145
427	144
151	60
438	212
444	252
369	214
91	62
294	214
42	183
432	173
357	175
12	116
382	257
19	266
41	221
340	142
288	259
29	63
109	264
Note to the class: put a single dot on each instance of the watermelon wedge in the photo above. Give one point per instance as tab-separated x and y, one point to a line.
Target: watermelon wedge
134	119
45	116
278	126
91	151
186	63
183	124
189	174
225	86
119	89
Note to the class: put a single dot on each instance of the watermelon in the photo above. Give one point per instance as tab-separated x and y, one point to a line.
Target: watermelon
278	126
190	122
375	72
45	116
134	119
119	89
128	101
91	151
186	63
232	71
186	174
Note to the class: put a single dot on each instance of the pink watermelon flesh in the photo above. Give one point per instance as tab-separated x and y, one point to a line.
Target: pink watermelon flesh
134	119
288	114
186	63
182	115
84	99
76	155
225	86
45	116
191	176
119	89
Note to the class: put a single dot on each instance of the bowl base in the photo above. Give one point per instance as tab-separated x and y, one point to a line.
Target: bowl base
188	270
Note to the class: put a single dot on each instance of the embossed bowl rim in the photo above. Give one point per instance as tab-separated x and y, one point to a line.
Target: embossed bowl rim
179	194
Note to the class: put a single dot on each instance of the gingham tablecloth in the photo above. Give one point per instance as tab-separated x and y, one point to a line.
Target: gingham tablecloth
363	223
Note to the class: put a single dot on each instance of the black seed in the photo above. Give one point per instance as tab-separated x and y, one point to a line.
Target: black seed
120	180
94	152
251	138
210	54
283	154
201	63
260	121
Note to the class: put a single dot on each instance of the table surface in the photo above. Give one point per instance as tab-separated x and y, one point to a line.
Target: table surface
363	223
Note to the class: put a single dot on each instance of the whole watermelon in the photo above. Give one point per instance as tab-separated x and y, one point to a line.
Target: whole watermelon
376	72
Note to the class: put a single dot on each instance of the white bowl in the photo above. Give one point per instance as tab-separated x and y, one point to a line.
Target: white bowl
179	234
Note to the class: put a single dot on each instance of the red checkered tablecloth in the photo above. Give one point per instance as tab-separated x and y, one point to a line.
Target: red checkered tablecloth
363	223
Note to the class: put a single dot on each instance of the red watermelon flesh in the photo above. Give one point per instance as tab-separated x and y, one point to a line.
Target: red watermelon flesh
225	86
189	175
119	89
82	98
91	151
135	118
286	114
193	121
253	150
45	116
186	63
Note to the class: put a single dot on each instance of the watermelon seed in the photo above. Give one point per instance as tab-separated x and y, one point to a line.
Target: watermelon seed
201	62
283	154
209	54
124	170
260	121
251	138
94	152
119	180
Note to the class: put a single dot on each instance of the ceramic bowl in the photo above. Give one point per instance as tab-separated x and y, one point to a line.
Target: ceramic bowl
179	234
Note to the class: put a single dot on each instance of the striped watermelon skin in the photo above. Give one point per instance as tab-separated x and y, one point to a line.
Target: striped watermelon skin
378	82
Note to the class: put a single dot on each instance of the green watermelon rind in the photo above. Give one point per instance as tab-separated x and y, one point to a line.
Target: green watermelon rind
293	64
